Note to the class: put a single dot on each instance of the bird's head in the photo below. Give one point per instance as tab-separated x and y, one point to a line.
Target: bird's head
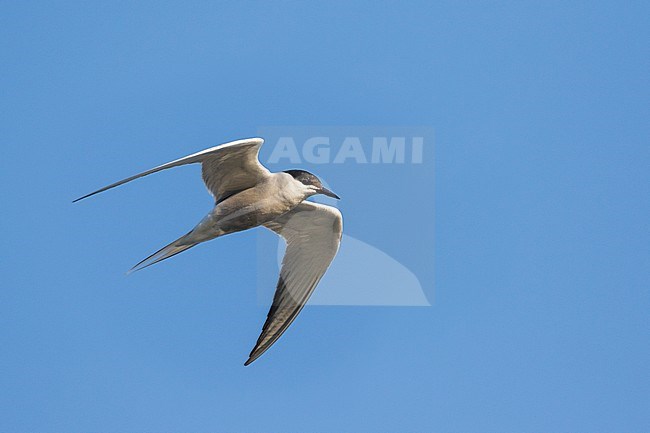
312	184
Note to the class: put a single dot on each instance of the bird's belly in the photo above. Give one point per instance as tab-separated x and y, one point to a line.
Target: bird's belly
237	215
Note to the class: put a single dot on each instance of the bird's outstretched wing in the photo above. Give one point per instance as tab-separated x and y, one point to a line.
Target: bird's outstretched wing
226	169
313	234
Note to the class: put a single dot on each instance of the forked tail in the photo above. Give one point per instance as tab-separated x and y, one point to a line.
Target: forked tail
178	246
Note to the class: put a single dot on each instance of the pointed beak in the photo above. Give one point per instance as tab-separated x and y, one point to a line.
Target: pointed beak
329	193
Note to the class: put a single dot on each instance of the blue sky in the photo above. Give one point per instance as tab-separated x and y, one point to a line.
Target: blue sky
540	265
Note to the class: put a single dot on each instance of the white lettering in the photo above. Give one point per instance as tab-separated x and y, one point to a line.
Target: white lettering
285	148
316	155
417	148
351	148
387	153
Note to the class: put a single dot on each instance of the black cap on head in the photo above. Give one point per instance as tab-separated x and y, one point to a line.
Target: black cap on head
309	179
304	176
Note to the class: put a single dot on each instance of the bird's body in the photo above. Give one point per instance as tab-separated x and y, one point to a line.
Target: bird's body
275	195
247	195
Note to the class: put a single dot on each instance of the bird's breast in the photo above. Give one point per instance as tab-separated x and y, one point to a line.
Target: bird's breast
255	206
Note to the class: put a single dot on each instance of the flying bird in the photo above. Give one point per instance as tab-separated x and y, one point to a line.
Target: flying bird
248	195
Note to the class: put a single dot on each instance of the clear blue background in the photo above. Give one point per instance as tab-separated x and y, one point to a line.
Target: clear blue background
540	321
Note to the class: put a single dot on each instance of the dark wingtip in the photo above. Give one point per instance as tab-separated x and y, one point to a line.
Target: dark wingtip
85	196
252	357
255	353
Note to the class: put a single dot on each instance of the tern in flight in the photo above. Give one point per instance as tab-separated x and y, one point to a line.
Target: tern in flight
248	195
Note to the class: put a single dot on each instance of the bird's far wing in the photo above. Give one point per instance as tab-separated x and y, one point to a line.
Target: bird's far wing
233	169
313	234
239	156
